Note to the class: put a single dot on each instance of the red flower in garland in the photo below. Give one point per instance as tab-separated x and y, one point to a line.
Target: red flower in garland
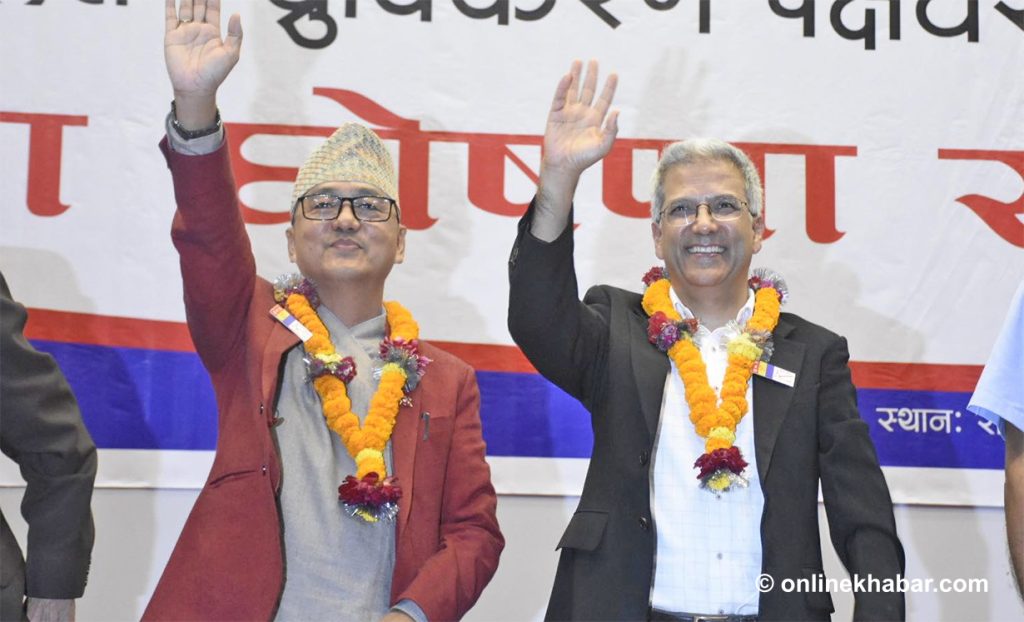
728	459
655	325
344	370
654	274
375	497
663	332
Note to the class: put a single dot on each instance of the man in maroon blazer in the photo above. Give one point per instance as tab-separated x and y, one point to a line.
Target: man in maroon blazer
268	537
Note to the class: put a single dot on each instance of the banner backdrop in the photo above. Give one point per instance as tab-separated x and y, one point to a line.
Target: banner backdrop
890	136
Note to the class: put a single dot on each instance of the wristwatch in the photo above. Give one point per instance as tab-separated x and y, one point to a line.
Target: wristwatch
190	134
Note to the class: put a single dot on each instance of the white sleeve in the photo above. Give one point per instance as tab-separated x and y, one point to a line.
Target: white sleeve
197	146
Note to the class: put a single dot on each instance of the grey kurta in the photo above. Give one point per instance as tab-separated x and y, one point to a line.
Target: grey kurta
336	567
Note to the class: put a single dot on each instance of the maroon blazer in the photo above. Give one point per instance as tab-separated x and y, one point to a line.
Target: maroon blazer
227	563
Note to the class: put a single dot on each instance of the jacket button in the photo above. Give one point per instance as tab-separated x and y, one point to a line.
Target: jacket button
644	523
644	457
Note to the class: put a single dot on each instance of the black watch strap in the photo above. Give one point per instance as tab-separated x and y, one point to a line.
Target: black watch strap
191	134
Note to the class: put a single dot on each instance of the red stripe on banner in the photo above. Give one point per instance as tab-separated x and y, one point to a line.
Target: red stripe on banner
122	332
916	376
489	357
67	327
105	330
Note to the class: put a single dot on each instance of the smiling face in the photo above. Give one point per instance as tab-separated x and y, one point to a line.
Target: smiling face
707	257
346	250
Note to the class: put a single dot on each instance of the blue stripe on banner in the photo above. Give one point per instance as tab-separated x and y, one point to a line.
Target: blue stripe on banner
150	399
929	429
525	415
140	399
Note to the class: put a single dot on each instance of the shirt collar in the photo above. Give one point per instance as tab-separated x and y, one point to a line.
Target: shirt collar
741	317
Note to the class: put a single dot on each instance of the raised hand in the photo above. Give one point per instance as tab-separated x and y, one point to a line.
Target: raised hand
198	59
580	131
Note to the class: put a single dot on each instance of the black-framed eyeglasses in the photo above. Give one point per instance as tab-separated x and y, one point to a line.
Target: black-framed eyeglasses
329	206
723	207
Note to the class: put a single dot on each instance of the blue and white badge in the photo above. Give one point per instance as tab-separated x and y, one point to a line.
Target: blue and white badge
776	374
281	314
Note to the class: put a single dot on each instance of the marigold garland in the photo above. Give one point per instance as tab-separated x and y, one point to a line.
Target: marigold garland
370	494
715	417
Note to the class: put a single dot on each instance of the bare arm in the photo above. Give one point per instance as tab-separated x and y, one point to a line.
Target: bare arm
579	132
1014	500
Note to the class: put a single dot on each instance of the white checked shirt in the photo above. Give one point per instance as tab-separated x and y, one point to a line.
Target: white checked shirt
708	552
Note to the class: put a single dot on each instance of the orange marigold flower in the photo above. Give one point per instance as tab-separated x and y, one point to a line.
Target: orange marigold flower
704	397
731	409
705	424
318	343
734	387
382	428
372	438
348	420
741	404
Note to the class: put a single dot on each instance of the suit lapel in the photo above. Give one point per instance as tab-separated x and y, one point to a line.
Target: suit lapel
771	399
650	365
280	341
403	452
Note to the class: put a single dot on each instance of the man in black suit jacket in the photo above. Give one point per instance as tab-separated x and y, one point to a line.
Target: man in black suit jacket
706	227
41	429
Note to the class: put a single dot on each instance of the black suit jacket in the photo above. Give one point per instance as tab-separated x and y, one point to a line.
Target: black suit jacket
597	351
41	429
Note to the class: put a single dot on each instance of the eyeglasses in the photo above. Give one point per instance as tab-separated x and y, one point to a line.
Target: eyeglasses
329	206
723	207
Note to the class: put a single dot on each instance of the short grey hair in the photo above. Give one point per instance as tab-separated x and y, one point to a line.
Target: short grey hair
696	150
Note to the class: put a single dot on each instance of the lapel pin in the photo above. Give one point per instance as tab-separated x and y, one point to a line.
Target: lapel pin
281	314
774	373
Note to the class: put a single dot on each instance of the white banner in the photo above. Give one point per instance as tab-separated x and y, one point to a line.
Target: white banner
890	135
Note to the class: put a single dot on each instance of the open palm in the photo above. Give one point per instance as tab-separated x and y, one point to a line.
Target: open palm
198	59
580	131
